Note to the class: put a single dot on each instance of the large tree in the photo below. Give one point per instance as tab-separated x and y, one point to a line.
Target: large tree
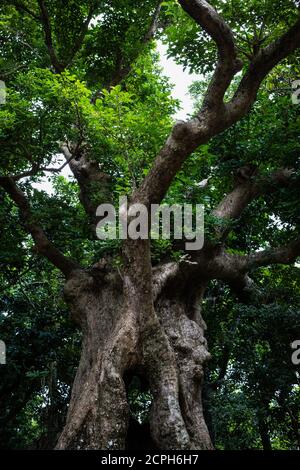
83	83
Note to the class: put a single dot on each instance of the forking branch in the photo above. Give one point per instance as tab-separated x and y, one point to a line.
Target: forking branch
215	116
42	243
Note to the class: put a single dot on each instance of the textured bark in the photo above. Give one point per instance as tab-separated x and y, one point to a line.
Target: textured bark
124	332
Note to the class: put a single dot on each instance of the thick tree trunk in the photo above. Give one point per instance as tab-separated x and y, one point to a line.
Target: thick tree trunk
124	332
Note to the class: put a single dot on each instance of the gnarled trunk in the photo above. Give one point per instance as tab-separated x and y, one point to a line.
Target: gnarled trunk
126	332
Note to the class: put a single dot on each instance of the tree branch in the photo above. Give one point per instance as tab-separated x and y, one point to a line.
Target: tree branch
233	269
35	169
46	22
92	182
85	26
21	7
153	24
121	70
43	245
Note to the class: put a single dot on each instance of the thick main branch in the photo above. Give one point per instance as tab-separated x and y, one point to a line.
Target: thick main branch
228	63
214	116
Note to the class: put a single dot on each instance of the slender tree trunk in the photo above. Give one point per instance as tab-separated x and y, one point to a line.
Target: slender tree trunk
124	331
